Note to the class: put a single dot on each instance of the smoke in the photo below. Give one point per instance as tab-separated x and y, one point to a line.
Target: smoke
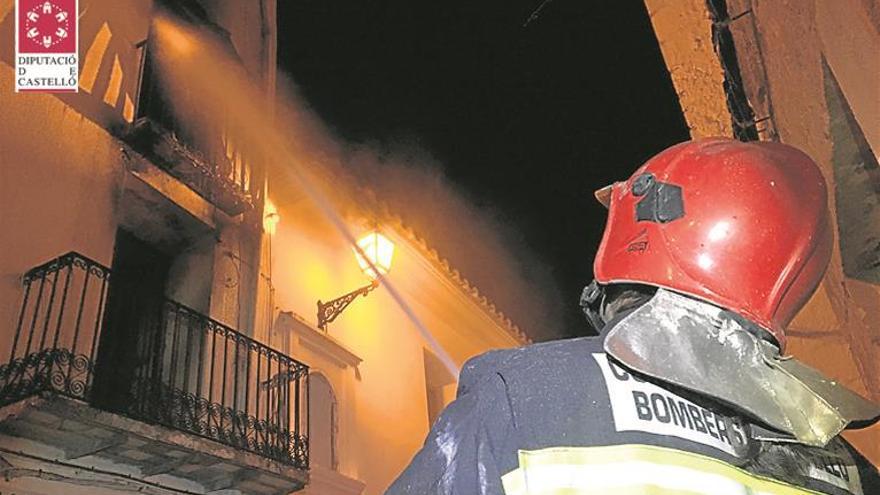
212	93
476	238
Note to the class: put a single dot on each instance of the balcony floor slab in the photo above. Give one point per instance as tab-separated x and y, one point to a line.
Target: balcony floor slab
72	432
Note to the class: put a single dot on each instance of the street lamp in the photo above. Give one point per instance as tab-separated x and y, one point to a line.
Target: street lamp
373	253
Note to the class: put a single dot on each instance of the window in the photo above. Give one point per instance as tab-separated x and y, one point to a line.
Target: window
187	130
154	100
175	111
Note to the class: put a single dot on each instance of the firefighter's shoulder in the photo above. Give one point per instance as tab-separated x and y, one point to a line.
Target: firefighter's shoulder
543	356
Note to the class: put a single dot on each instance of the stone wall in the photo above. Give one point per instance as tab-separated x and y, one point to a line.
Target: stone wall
808	71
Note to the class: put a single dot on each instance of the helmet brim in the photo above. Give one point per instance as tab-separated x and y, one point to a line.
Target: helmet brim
604	195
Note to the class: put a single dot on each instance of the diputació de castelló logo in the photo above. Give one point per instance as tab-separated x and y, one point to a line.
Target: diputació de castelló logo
46	46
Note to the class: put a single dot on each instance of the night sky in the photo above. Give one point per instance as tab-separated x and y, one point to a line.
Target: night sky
528	119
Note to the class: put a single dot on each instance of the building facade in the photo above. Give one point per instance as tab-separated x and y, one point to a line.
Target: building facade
159	278
805	73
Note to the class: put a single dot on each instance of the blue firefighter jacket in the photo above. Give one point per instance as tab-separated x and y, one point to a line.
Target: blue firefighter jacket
562	418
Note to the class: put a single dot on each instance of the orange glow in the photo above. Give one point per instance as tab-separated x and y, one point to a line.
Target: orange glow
270	218
378	249
173	36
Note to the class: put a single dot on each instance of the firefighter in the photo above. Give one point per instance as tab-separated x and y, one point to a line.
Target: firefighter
710	249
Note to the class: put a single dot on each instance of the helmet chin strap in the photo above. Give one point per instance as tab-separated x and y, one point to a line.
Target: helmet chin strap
602	303
700	347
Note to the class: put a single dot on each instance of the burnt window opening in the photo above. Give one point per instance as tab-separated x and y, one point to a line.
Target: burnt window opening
856	187
155	100
180	110
188	134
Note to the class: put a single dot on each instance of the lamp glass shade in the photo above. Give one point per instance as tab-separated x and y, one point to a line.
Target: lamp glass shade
379	250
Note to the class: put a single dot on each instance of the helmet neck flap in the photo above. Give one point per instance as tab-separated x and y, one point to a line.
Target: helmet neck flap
703	348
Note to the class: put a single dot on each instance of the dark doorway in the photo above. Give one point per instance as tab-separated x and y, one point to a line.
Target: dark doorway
132	322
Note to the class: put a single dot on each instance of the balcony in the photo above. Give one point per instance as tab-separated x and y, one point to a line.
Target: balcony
240	404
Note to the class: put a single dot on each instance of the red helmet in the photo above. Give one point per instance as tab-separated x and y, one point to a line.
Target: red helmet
743	226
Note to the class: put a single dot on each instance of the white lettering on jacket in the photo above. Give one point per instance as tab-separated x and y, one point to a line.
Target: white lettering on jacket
638	405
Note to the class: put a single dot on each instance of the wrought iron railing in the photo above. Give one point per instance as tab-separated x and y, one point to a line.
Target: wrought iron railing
203	377
189	372
59	323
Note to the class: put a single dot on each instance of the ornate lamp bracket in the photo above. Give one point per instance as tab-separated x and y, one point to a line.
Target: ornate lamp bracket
328	311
